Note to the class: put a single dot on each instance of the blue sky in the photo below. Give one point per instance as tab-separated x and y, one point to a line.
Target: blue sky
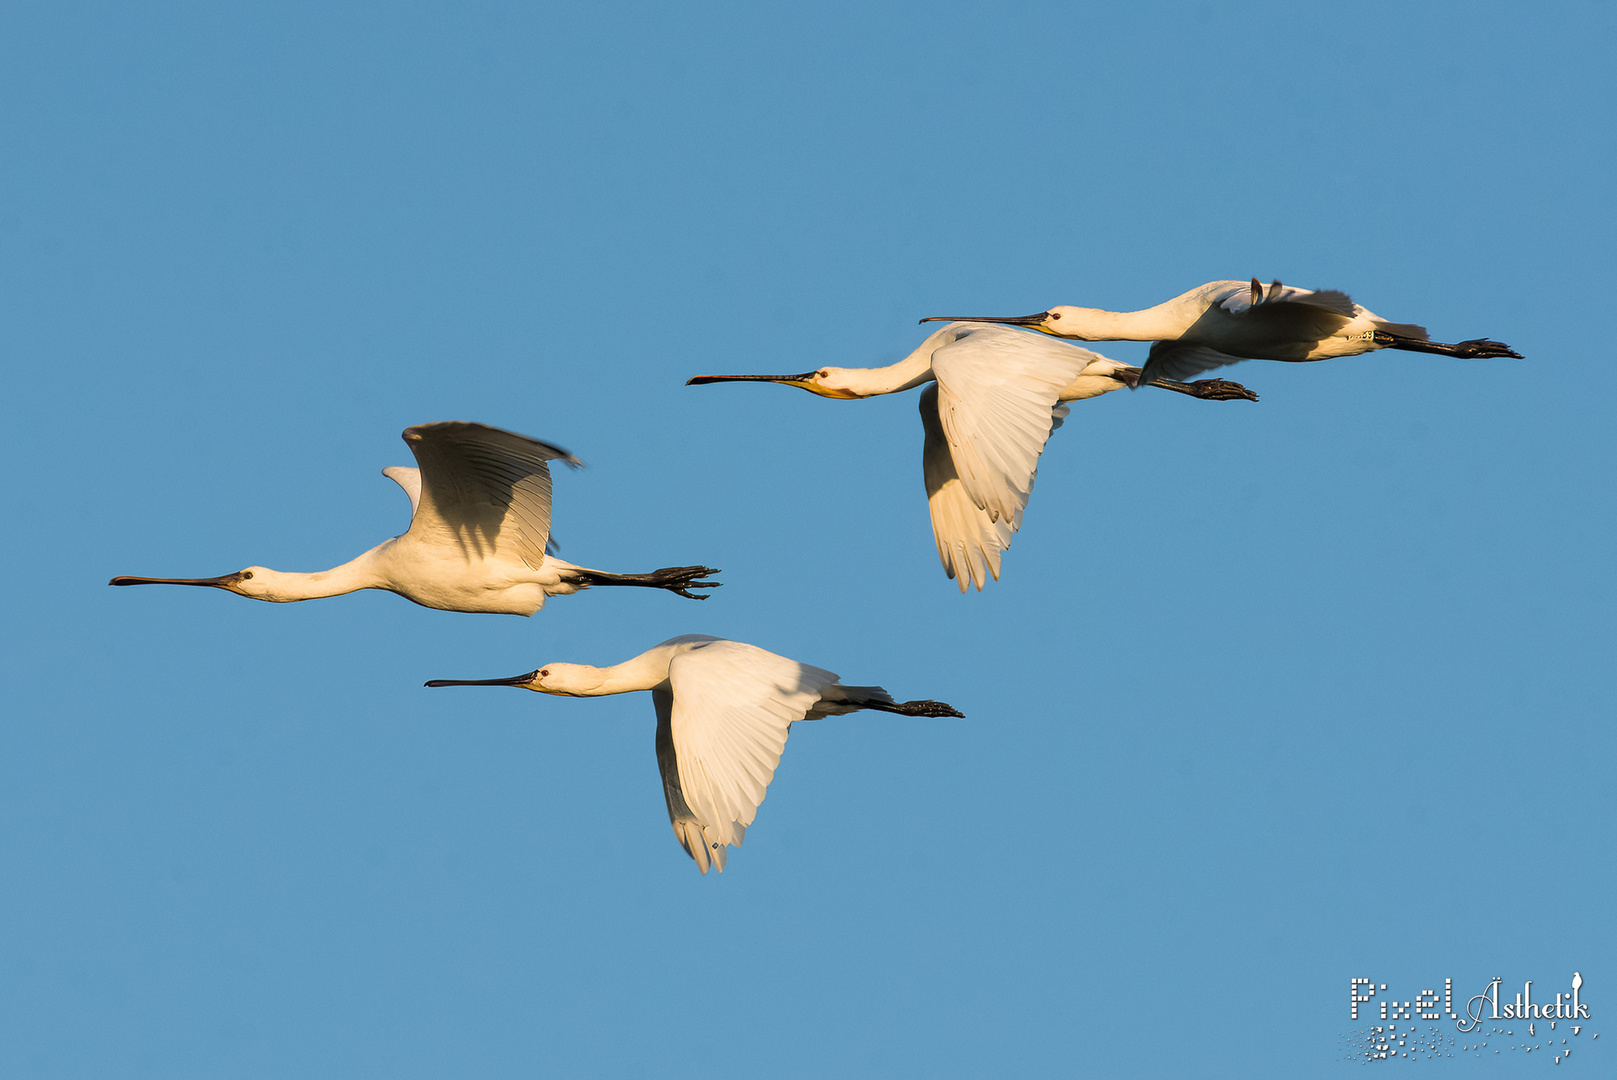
1271	696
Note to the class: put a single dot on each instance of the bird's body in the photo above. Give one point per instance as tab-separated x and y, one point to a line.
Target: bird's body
724	709
1224	322
999	393
478	538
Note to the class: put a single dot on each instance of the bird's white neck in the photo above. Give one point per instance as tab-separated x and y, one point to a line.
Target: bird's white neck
285	586
647	671
913	370
1149	324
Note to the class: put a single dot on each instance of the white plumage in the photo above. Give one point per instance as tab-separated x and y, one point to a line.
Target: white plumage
1225	322
724	709
999	393
478	539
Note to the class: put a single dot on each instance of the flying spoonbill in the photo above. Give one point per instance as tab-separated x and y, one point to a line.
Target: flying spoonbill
999	393
1224	322
724	709
479	535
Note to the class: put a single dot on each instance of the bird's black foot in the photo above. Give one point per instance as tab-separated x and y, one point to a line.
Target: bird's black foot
1206	389
1221	390
677	579
1475	349
1483	349
682	579
925	708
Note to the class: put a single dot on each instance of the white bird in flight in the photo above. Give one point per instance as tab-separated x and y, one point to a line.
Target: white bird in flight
1225	322
479	535
724	709
999	394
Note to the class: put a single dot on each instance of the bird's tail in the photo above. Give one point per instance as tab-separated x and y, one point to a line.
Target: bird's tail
1128	376
1403	330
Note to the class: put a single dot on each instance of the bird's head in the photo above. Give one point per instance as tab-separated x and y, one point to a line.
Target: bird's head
257	582
831	382
566	680
1063	321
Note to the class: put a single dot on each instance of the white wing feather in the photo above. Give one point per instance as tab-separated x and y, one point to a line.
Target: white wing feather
482	488
409	479
997	389
728	714
969	541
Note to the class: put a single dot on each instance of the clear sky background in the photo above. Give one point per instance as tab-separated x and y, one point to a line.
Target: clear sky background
1271	696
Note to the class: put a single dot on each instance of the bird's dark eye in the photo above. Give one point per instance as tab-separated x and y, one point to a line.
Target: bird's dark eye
822	374
1054	315
545	673
245	574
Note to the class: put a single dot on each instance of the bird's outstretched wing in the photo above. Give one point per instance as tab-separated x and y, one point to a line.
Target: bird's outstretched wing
1285	317
969	541
484	489
721	727
1321	312
1182	361
1239	296
997	389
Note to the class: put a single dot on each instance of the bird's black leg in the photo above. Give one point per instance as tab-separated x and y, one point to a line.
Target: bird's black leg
676	579
1475	349
1207	389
